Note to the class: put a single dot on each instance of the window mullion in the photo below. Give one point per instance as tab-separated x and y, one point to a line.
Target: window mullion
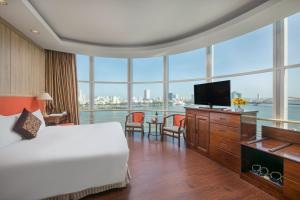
209	63
92	89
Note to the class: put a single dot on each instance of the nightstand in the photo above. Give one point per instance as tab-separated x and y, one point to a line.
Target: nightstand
55	120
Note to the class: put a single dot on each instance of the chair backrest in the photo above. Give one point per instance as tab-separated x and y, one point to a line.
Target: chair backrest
138	117
177	118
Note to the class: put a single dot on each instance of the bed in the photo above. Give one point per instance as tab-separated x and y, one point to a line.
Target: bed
65	162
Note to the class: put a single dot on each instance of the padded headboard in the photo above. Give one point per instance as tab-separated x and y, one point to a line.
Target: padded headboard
10	105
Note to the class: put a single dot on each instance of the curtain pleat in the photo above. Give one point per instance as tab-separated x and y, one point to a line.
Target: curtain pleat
61	84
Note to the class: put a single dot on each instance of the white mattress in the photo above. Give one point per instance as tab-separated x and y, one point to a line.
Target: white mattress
63	159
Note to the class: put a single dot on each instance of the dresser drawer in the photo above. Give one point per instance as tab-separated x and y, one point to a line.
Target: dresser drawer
190	111
227	159
225	131
292	170
291	189
226	119
202	113
225	144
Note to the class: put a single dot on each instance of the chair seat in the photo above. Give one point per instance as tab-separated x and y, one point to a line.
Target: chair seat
172	129
134	124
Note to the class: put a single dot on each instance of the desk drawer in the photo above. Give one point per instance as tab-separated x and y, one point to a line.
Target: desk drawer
226	119
292	170
225	131
225	144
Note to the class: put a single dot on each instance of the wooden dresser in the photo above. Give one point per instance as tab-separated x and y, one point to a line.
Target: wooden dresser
217	134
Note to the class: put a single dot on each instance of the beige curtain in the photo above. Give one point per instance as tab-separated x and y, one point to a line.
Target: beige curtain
61	84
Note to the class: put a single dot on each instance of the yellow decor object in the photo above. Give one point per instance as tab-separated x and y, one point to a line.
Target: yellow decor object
239	101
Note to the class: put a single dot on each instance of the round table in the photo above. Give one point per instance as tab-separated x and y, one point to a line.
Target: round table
157	124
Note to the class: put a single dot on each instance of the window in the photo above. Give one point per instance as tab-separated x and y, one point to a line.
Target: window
188	65
110	69
83	67
257	89
293	97
293	39
181	94
148	69
110	96
252	51
109	116
147	96
83	101
83	95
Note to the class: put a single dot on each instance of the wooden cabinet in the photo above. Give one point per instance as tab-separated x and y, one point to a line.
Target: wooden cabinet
291	188
191	131
217	134
202	133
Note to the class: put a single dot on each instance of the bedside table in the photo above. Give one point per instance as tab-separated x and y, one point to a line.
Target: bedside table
55	120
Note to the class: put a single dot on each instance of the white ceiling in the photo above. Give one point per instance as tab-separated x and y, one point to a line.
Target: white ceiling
137	22
138	28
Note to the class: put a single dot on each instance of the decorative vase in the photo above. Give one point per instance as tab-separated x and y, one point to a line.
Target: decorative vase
238	108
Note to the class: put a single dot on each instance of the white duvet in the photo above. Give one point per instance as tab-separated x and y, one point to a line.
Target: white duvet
63	159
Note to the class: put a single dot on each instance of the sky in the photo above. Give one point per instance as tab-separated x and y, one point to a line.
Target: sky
252	51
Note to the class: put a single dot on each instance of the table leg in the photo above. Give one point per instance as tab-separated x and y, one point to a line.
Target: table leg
156	131
149	132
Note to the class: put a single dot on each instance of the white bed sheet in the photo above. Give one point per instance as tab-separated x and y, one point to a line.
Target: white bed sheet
63	159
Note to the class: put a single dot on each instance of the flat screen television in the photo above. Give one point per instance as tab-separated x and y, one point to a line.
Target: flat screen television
213	94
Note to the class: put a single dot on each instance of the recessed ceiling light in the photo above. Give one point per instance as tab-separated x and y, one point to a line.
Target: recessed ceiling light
33	30
3	2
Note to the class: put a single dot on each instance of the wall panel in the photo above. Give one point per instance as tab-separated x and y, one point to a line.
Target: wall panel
4	60
22	64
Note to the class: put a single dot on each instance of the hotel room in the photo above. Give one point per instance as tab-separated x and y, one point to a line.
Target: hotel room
142	100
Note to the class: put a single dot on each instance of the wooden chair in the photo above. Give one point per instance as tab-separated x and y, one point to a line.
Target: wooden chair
135	122
176	129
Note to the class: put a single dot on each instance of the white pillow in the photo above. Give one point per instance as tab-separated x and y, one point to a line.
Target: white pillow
7	135
39	115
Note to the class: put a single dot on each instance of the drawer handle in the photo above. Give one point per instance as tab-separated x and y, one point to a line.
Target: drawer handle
222	118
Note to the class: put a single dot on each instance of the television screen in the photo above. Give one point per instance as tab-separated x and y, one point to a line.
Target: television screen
216	93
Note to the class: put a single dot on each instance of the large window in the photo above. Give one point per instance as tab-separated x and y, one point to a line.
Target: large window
189	65
148	69
181	94
252	51
109	88
293	74
183	68
294	39
110	69
257	89
83	67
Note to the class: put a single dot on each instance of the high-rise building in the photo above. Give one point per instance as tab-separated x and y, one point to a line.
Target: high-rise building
146	94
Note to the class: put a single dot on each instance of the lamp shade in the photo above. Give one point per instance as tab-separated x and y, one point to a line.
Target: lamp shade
45	96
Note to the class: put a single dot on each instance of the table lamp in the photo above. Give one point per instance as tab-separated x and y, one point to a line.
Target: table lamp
45	97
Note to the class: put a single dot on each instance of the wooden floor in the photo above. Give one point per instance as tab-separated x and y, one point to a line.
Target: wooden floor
162	171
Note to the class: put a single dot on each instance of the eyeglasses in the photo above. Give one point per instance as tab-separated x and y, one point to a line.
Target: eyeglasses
276	177
264	172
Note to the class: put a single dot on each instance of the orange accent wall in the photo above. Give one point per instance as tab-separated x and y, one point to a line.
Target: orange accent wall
10	105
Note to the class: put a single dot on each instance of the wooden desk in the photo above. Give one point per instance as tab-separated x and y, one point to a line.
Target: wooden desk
55	120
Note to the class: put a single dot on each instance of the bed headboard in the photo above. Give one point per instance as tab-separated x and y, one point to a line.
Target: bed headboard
10	105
